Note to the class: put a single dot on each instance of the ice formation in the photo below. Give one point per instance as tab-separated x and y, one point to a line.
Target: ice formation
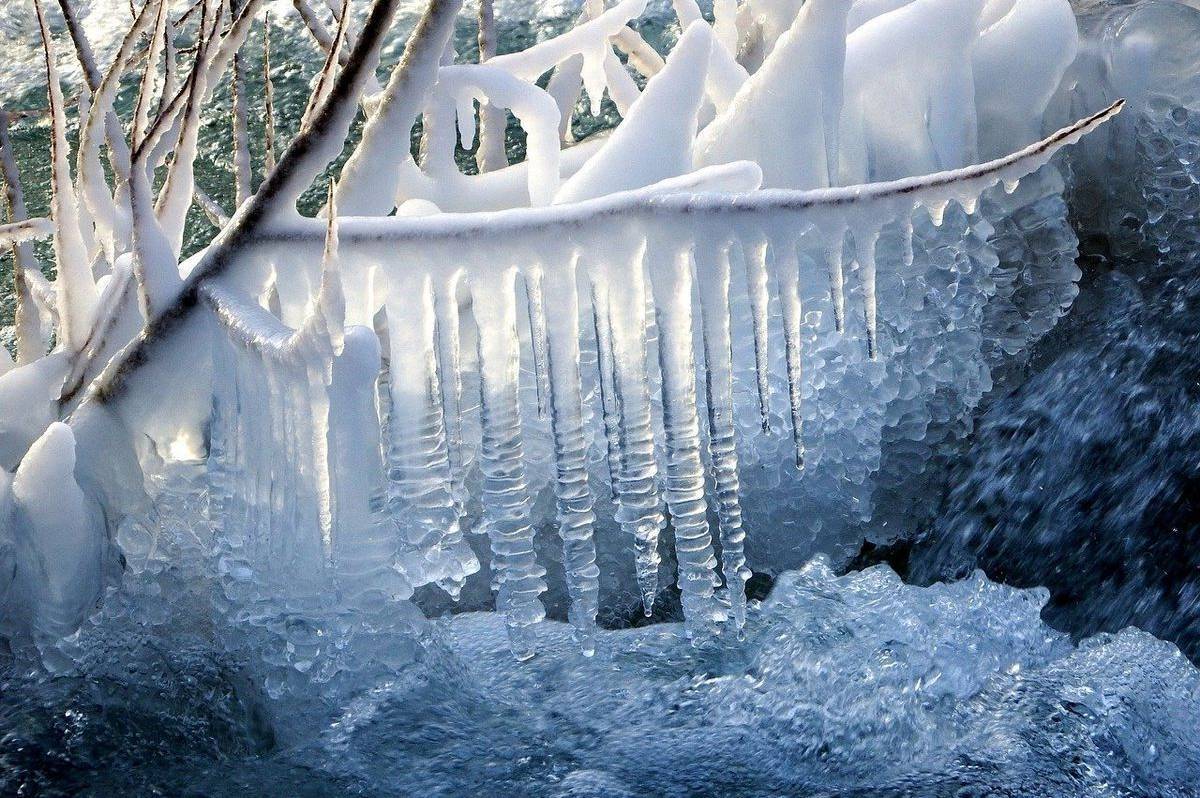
799	257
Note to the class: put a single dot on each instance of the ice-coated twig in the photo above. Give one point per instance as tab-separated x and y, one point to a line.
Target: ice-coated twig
307	155
158	138
212	209
242	171
269	99
24	230
75	288
118	150
93	186
157	51
318	31
492	120
371	177
325	78
31	333
176	195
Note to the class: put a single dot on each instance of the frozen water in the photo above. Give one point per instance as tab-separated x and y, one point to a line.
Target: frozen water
881	297
614	375
843	685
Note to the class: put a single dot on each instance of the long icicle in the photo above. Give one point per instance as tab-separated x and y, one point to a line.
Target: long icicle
606	379
450	361
576	519
670	268
518	576
419	478
639	505
712	266
787	270
536	306
756	289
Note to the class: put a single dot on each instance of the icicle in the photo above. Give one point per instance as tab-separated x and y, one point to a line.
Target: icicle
464	117
756	290
450	377
639	507
608	398
671	272
576	520
74	288
506	502
834	245
1010	185
787	269
419	491
364	549
537	336
324	332
564	87
712	267
937	210
864	249
594	77
621	87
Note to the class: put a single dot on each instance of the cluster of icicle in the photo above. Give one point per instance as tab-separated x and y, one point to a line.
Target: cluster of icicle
734	149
